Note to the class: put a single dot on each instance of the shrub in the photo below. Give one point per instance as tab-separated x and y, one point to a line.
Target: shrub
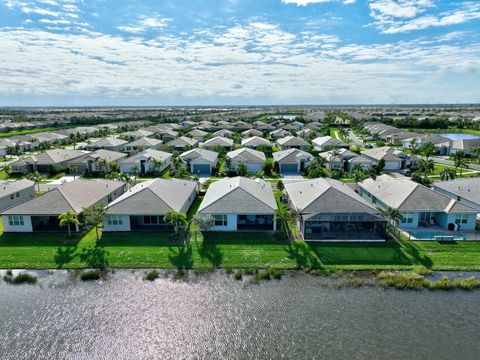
276	274
238	275
229	270
152	275
90	275
249	271
20	279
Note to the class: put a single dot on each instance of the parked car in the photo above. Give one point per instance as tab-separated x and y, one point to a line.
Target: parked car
406	172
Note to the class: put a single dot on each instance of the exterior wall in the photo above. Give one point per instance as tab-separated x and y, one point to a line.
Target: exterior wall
413	224
124	227
23	195
200	161
298	165
27	227
254	168
231	224
445	219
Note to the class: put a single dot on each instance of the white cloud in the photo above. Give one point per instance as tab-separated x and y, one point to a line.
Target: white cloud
146	23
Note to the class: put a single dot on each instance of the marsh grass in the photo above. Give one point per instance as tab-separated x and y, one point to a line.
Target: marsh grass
414	281
20	279
152	275
90	275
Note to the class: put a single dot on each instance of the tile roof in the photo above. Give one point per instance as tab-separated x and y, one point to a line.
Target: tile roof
246	155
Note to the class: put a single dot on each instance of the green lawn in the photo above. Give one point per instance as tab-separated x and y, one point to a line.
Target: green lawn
236	250
33	131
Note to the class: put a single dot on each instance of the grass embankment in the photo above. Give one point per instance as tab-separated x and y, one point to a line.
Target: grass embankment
226	250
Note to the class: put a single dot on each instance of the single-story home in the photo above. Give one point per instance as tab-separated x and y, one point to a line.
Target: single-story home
256	142
143	207
464	145
419	205
394	159
111	143
41	213
324	143
240	203
138	134
292	160
44	161
200	161
182	142
293	142
218	141
223	133
95	161
331	210
145	161
279	133
142	144
467	191
16	192
337	161
197	134
253	159
365	162
251	132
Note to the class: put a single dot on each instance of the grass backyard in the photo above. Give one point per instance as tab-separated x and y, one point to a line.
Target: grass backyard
220	250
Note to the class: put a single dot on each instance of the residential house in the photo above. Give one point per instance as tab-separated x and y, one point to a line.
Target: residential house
253	159
255	142
419	205
324	143
279	133
143	207
218	141
467	191
292	160
331	210
394	159
197	134
262	126
365	162
223	133
294	126
95	161
240	203
142	144
464	145
146	161
293	142
111	143
138	134
251	132
45	161
182	142
13	193
41	213
337	160
200	161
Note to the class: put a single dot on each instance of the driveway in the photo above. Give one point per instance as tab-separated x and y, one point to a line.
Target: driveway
356	140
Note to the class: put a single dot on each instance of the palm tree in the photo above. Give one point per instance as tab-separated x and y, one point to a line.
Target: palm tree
334	154
447	174
461	163
7	169
242	169
359	175
126	179
426	166
67	218
392	215
476	151
176	219
102	164
157	165
134	169
36	178
284	215
428	149
73	170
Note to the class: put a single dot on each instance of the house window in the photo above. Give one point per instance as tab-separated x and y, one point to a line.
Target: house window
115	220
12	197
461	218
17	194
407	218
221	220
15	220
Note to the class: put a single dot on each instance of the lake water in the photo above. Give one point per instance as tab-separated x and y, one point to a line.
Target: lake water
460	136
213	316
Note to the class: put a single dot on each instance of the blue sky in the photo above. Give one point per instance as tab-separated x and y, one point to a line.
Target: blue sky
199	52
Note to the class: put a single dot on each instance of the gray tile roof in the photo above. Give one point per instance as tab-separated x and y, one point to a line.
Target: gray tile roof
97	154
344	154
182	141
407	195
10	187
292	141
218	141
51	157
246	155
316	196
155	197
291	156
210	156
466	188
255	141
384	152
75	195
110	141
239	195
144	141
323	141
223	133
